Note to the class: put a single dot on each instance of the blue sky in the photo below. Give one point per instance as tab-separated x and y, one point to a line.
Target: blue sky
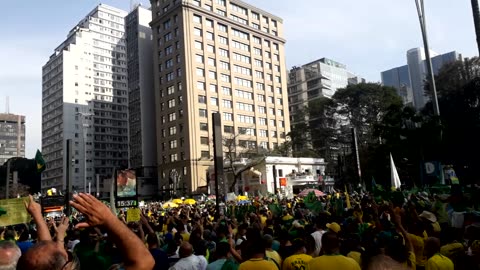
368	36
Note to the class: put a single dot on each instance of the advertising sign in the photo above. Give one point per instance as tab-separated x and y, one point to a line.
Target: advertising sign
125	188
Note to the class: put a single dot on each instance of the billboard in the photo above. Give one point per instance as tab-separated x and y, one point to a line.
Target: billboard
126	186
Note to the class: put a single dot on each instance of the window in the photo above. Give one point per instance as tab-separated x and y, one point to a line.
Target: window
244	94
272	122
197	19
202	99
170	76
259	74
241	46
210	48
204	140
248	144
255	16
245	106
209	35
257	40
243	82
268	55
211	62
275	46
223	52
213	88
221	12
242	70
226	91
268	65
277	79
279	101
214	101
277	68
247	131
262	109
222	28
278	90
172	117
238	9
200	72
167	24
204	126
227	103
199	58
173	157
209	23
202	112
179	86
281	124
205	154
240	34
271	111
198	45
196	3
228	129
168	50
265	20
270	100
262	121
266	43
274	23
276	57
168	37
173	144
246	119
170	90
260	86
238	19
225	78
225	65
269	77
256	26
223	40
227	116
169	63
257	51
241	58
172	130
262	133
212	75
261	98
171	103
178	58
208	7
221	2
197	32
258	63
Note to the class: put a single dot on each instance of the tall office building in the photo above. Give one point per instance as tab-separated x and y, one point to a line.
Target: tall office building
12	136
215	56
320	78
84	99
409	80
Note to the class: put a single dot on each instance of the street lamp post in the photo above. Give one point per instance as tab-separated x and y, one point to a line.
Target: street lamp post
85	125
431	77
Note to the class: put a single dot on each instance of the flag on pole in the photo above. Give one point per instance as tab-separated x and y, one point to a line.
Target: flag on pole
40	161
394	174
347	197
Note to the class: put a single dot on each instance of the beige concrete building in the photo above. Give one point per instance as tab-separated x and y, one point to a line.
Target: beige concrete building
215	56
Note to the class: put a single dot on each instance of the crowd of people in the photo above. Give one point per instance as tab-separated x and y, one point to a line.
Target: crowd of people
418	231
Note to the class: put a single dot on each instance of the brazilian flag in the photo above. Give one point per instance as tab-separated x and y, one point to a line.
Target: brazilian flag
40	161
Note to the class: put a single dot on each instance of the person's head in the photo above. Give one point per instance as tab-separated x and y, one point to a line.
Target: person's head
330	243
24	236
46	255
9	255
383	262
200	248
9	235
242	229
152	240
299	246
432	246
185	250
222	250
267	241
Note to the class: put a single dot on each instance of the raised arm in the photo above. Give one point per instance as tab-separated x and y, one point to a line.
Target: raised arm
35	210
136	255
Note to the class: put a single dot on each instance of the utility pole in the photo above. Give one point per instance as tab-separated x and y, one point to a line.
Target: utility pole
431	76
476	21
217	157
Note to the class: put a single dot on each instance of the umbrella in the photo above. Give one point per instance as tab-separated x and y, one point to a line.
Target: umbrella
189	201
211	197
177	201
170	205
305	192
242	198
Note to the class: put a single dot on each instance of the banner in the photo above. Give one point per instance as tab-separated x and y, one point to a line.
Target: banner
16	212
126	184
133	215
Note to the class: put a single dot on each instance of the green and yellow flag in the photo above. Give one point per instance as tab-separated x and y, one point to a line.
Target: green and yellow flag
40	161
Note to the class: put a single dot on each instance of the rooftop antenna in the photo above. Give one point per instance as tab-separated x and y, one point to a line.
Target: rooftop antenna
7	105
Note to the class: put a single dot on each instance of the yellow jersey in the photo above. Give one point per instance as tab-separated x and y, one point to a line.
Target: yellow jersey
296	262
256	264
439	262
329	262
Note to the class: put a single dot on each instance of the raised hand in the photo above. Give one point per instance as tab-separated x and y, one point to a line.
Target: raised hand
33	208
95	212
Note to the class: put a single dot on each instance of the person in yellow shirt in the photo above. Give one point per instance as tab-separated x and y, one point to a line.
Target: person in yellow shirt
332	258
257	260
271	254
299	260
436	261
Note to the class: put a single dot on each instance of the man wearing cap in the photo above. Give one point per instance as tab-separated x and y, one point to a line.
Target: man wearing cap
332	259
334	227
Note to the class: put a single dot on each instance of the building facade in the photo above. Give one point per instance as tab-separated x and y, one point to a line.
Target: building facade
409	80
215	56
320	78
84	100
141	99
12	136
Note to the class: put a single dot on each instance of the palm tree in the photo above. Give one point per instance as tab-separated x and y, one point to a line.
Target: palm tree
476	20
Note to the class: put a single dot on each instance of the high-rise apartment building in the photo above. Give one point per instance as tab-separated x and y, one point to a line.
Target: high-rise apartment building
12	136
215	56
84	99
141	99
409	80
320	78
